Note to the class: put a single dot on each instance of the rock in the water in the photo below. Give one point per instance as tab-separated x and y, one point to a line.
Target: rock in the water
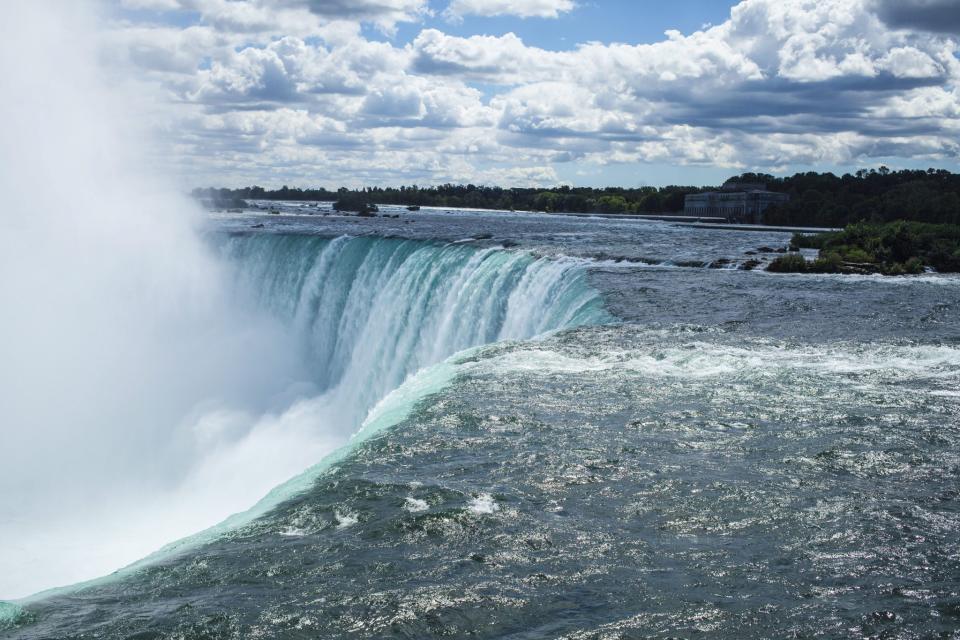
720	263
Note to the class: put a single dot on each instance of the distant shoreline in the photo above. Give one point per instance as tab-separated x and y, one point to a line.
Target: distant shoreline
696	222
815	200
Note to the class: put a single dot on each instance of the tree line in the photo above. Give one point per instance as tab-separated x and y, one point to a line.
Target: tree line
816	199
559	199
875	196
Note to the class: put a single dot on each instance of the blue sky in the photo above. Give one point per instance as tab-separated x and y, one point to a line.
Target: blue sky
540	92
592	20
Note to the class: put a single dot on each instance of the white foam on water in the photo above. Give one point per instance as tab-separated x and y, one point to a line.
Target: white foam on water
944	394
346	519
483	504
415	505
704	360
931	278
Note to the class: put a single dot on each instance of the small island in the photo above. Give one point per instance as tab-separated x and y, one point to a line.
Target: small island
355	202
893	248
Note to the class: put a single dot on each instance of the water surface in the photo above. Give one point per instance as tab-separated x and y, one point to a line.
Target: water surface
643	449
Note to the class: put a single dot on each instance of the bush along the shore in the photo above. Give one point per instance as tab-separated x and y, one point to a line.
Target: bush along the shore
894	248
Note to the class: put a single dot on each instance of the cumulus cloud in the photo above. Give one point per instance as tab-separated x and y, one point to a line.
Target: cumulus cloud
521	8
385	13
251	16
503	59
929	15
300	91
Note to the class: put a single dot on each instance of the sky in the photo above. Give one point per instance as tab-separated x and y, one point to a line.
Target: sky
537	92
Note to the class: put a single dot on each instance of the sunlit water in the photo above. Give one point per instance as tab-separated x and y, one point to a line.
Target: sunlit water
641	449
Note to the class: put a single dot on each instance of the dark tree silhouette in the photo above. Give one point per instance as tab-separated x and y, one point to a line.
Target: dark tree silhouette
816	199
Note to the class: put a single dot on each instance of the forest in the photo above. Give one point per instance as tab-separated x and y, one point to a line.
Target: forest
877	196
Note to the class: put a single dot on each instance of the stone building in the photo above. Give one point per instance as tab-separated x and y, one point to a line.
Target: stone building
737	202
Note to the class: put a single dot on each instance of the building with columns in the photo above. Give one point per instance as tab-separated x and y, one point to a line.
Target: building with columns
737	202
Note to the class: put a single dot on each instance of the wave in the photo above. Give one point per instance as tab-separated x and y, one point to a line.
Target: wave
667	356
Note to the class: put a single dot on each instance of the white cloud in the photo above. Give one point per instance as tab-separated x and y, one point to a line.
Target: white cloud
909	62
151	5
293	17
503	59
520	8
163	49
384	13
300	90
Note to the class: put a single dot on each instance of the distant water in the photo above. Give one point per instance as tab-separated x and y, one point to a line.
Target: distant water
625	443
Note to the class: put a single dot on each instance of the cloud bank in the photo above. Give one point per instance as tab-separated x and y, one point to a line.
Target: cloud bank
302	91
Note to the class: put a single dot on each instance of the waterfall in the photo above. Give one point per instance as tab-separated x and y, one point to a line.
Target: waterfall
153	383
337	324
371	311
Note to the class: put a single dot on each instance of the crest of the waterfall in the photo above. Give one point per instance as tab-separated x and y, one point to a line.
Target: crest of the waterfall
370	312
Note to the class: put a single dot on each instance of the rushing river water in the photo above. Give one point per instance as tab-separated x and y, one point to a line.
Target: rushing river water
573	428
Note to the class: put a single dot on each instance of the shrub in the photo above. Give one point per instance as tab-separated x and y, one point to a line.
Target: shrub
913	265
895	247
856	254
789	263
827	262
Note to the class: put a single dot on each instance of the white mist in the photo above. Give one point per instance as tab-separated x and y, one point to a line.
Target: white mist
125	370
